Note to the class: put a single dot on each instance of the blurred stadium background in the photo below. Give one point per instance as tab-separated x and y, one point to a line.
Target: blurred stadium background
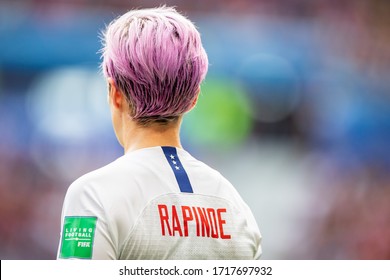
295	112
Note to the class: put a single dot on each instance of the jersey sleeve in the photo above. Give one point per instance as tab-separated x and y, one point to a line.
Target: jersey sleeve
85	232
256	234
253	227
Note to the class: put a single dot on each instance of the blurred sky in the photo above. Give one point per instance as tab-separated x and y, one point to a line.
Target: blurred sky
294	112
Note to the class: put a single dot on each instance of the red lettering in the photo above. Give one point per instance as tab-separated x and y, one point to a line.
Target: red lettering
164	219
187	216
204	222
210	220
213	222
196	221
175	222
221	222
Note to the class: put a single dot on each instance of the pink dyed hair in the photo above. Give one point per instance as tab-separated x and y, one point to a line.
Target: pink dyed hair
156	58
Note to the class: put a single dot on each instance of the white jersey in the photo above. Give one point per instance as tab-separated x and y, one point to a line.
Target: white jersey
156	203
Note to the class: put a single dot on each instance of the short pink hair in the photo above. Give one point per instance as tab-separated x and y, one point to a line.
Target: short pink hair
156	58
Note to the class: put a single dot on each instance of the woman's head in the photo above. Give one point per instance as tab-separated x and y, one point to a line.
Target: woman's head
156	59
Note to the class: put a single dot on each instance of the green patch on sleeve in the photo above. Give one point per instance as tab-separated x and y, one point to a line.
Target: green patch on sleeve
77	237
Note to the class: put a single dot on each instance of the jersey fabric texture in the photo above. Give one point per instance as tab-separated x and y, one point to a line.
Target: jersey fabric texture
156	203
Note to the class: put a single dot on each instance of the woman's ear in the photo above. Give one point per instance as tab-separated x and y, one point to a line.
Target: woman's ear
195	99
115	96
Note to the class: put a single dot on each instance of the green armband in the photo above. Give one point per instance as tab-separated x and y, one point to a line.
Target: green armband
77	237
